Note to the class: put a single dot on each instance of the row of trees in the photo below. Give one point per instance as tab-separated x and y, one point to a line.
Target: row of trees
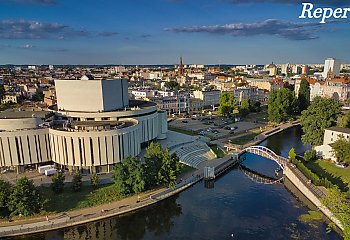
23	198
160	168
58	179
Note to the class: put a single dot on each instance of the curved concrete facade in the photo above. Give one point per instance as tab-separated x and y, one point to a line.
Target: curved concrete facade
93	126
23	142
95	150
24	147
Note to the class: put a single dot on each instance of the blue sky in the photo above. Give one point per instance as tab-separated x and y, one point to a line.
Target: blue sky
159	31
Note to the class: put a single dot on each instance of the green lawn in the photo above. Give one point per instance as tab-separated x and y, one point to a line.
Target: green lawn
260	117
179	130
87	197
219	153
184	169
244	139
337	175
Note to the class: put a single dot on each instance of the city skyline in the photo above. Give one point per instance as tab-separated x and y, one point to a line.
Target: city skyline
160	31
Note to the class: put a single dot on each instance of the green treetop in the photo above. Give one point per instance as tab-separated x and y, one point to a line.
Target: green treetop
227	103
304	95
341	149
322	113
25	198
281	105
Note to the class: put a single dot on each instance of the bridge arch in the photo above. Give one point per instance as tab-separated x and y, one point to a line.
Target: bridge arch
267	153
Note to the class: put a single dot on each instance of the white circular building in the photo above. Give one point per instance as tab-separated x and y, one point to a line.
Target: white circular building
92	127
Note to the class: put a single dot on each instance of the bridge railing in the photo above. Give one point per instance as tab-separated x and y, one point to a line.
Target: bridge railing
268	153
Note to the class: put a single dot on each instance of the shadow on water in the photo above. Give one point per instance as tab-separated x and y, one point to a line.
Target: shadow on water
157	220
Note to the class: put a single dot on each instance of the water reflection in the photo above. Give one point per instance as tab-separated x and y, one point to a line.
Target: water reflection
282	142
157	220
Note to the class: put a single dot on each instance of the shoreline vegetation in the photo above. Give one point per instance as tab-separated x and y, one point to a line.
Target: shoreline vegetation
145	178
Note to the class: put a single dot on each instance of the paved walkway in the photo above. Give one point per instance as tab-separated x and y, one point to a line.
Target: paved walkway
77	216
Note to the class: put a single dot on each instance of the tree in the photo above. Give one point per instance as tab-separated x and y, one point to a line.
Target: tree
227	103
281	105
244	108
341	149
310	155
322	113
25	198
77	181
136	175
339	204
5	192
38	96
172	85
129	176
153	163
95	180
120	176
57	184
344	121
170	169
292	155
254	106
304	95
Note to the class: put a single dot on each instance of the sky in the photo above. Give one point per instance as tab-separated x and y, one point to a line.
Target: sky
160	31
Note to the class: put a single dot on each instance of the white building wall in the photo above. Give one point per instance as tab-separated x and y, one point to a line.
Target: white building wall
16	150
333	65
91	95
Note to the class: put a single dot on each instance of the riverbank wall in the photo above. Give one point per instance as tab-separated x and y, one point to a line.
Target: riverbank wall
310	191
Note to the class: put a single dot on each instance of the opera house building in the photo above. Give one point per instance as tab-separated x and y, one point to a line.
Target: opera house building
93	126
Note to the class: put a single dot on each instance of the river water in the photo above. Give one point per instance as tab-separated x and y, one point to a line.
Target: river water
234	207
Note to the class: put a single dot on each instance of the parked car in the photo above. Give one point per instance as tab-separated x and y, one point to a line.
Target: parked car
342	165
184	121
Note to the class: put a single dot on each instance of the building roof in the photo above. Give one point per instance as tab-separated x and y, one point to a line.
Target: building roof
339	129
24	114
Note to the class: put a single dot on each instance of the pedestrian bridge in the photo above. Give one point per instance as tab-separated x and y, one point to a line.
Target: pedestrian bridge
267	153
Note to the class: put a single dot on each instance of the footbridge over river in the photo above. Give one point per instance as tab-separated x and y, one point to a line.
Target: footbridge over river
312	192
264	152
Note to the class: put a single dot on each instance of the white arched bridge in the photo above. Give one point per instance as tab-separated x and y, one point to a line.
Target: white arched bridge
267	153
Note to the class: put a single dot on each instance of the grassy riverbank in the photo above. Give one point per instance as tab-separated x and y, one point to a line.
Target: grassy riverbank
326	169
87	197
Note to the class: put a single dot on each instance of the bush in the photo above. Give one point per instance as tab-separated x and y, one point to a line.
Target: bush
57	184
77	181
95	180
311	175
310	155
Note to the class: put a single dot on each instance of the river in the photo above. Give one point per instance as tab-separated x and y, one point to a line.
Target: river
234	207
